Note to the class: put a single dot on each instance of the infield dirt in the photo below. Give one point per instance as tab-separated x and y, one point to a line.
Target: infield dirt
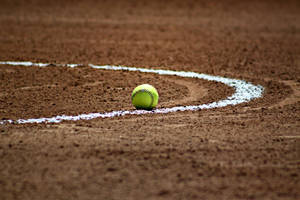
248	151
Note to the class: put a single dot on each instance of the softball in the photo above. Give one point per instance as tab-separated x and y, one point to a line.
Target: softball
144	97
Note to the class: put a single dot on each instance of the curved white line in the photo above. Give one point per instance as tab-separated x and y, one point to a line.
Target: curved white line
244	92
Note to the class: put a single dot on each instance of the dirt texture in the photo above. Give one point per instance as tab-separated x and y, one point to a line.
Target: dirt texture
247	151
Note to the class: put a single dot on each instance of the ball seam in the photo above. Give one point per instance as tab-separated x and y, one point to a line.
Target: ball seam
144	90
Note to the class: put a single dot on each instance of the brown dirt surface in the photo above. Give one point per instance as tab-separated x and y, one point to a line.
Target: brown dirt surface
247	151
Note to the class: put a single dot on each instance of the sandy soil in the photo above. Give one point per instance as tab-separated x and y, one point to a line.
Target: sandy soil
248	151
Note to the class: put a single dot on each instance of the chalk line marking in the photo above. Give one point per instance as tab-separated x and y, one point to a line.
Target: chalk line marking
244	92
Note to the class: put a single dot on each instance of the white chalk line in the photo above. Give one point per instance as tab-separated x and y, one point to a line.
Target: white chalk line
244	92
